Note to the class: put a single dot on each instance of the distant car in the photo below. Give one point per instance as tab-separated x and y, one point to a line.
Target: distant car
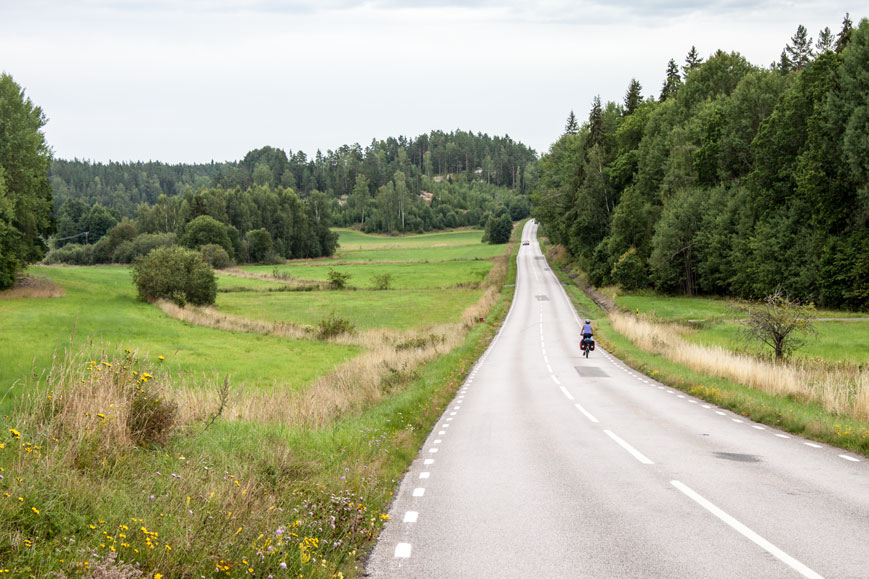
526	243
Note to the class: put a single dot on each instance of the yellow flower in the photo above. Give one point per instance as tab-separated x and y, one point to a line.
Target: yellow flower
35	510
161	358
101	415
158	576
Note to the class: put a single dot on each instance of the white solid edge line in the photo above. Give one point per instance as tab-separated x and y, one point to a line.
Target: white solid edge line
566	393
586	412
402	550
746	532
633	451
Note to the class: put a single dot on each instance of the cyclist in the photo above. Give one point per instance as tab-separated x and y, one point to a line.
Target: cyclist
587	331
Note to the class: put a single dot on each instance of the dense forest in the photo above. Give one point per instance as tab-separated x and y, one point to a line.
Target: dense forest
733	180
436	181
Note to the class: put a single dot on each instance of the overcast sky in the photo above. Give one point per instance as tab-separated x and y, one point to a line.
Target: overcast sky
201	80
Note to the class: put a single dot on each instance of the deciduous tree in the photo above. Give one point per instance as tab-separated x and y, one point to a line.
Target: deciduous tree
25	193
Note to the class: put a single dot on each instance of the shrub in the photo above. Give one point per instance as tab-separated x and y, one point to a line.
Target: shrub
71	254
151	417
128	251
215	256
338	279
175	274
383	281
332	326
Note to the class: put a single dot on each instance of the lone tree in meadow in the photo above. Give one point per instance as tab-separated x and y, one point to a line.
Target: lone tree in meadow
778	322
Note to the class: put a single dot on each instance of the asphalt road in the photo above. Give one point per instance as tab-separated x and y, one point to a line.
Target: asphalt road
548	464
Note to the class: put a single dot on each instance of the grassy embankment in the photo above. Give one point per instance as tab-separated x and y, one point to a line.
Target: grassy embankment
246	494
694	344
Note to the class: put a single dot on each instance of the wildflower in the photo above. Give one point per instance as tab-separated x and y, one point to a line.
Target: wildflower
161	358
35	510
158	576
15	434
101	415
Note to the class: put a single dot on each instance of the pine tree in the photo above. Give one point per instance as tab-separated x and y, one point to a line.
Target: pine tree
633	96
572	127
595	122
845	35
673	82
692	61
800	49
825	41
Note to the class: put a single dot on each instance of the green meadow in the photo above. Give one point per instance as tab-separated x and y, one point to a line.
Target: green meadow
715	322
236	497
100	308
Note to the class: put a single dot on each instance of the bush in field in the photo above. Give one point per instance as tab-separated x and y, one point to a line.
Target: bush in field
175	274
338	279
333	326
383	281
498	229
151	418
215	256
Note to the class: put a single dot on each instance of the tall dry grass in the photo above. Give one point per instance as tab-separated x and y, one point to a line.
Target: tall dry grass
842	390
389	362
33	287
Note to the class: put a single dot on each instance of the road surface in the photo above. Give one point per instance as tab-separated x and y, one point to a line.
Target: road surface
547	464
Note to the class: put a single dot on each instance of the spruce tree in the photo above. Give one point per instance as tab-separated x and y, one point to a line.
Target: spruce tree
800	49
595	122
672	83
692	61
633	96
572	127
845	35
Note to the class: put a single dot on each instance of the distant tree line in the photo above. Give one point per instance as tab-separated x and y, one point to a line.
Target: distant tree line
285	203
259	224
736	180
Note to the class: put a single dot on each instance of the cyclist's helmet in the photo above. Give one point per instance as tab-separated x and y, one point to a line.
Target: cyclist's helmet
587	321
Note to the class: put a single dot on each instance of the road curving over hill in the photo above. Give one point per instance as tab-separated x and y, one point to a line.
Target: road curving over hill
547	464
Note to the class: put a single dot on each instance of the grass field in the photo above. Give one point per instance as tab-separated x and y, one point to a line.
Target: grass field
405	275
247	493
365	309
100	307
715	323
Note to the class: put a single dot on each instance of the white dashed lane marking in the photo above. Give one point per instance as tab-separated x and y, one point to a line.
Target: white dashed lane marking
631	450
410	517
402	550
418	492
